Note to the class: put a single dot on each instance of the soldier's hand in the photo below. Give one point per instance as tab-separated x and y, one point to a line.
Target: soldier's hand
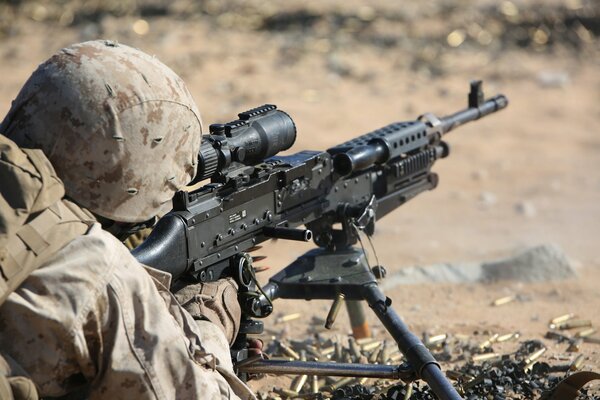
213	301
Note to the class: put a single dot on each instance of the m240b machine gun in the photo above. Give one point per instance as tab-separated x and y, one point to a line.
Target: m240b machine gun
254	195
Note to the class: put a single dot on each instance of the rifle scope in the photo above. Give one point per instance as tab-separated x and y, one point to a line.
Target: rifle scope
259	133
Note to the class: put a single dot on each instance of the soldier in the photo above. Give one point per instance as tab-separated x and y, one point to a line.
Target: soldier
102	133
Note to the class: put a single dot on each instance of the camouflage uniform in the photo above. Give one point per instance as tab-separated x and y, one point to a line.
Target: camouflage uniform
90	319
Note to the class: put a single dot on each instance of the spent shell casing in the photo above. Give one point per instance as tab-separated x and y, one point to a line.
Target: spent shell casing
534	356
334	310
374	356
409	391
384	355
340	382
503	300
286	393
288	351
574	345
556	336
507	337
585	332
314	384
454	375
473	382
370	346
561	318
529	365
287	318
338	353
298	383
592	339
436	340
486	357
354	347
313	351
574	323
395	357
327	350
363	341
347	358
577	363
489	341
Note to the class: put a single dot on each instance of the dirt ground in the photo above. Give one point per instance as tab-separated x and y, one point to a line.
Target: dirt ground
525	176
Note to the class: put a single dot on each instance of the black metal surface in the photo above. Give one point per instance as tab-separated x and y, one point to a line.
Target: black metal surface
411	346
244	202
245	205
300	235
258	133
322	274
285	367
492	105
166	248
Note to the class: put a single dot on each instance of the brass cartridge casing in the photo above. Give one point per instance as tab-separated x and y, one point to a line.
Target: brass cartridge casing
577	363
288	351
489	341
409	390
574	323
485	357
507	337
287	318
503	300
585	333
334	310
562	318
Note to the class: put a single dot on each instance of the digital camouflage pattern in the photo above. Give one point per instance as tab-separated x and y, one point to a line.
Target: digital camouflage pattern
216	301
100	111
92	320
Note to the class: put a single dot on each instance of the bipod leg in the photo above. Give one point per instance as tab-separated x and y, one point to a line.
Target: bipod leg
358	320
419	357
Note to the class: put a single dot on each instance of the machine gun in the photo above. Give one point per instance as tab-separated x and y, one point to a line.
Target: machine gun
255	195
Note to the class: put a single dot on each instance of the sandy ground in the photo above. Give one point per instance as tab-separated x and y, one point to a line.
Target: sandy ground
540	155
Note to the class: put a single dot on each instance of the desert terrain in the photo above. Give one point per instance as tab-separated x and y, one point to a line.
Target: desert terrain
525	176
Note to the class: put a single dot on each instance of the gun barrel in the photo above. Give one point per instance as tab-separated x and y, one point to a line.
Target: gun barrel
457	119
301	235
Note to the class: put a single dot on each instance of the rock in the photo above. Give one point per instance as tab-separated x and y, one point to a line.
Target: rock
537	264
479	175
526	208
488	198
553	79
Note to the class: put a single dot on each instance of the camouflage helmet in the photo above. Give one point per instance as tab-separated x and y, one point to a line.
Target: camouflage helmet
120	128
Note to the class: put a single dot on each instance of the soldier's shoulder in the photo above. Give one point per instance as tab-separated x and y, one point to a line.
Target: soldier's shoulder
96	250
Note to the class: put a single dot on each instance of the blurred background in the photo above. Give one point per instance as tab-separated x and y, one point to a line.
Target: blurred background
341	68
525	176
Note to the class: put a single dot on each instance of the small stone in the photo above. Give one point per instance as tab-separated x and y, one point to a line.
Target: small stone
479	175
488	198
553	79
526	208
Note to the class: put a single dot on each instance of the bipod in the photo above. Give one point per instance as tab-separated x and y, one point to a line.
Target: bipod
325	274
